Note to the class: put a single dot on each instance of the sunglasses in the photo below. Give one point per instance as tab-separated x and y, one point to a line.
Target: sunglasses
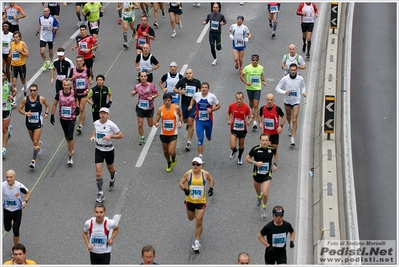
255	59
196	164
33	90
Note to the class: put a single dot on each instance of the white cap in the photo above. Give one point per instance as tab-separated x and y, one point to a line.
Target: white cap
173	64
198	159
60	53
105	110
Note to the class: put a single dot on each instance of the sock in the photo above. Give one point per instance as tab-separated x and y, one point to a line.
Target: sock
25	87
100	184
125	37
275	26
304	41
174	158
142	136
264	206
309	44
35	152
112	176
234	150
240	151
169	162
78	15
260	196
200	155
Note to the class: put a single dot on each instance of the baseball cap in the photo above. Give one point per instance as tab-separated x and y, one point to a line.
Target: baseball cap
173	64
6	23
60	53
198	159
105	110
278	212
240	17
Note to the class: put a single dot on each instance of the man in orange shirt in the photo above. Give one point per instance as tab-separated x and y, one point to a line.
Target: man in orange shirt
19	256
169	112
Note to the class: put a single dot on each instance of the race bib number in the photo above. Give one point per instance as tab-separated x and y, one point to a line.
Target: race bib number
293	93
34	118
141	41
279	240
10	17
4	104
203	115
214	25
94	25
15	56
196	191
168	125
66	112
144	104
255	80
100	135
238	125
99	241
145	69
190	90
273	9
239	42
52	4
264	169
82	46
269	124
80	83
11	203
173	3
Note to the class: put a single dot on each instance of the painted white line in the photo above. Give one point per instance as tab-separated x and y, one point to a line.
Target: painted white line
147	145
183	69
116	218
204	30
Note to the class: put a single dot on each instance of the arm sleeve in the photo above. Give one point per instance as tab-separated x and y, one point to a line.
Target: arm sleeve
278	87
280	111
163	79
154	60
299	10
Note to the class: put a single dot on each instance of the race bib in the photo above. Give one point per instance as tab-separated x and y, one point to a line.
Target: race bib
214	25
269	124
94	25
52	4
273	9
82	46
145	69
10	17
66	112
203	115
190	90
15	56
80	83
11	203
279	240
99	241
239	42
168	125
196	191
100	135
4	104
141	41
144	104
255	80
294	93
264	169
238	125
34	118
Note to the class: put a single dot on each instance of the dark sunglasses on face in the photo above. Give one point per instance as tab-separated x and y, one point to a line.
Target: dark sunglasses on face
196	164
33	90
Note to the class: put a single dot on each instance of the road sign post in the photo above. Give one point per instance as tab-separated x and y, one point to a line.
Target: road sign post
329	115
334	16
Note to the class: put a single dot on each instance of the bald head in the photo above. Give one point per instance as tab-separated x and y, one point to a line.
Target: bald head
10	177
270	100
292	49
189	74
243	258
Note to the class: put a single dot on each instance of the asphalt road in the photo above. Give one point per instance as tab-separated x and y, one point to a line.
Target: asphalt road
148	198
374	120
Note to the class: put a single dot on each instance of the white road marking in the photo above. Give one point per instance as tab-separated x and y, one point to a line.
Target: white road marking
147	145
204	30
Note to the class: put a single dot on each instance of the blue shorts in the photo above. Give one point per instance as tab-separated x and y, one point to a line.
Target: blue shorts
186	113
201	127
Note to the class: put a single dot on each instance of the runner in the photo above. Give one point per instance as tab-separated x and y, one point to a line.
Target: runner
144	34
62	69
261	156
86	44
175	11
47	29
104	131
243	259
69	109
6	39
127	19
13	203
276	233
13	13
292	86
239	35
274	10
98	95
146	62
187	87
171	117
93	11
82	78
308	12
19	256
206	104
292	57
217	20
18	54
145	105
253	81
155	6
270	123
31	107
96	235
7	97
193	184
238	117
169	81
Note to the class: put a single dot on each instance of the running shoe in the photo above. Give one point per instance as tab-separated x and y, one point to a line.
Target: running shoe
169	168
45	65
40	148
125	45
180	24
14	103
203	162
144	14
174	162
240	71
233	154
236	65
173	34
9	131
79	129
304	48
214	62
273	35
255	126
3	152
289	130
239	161
120	21
78	24
111	186
196	246
50	66
292	141
163	13
307	56
100	198
264	212
142	141
32	164
188	146
70	161
156	24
